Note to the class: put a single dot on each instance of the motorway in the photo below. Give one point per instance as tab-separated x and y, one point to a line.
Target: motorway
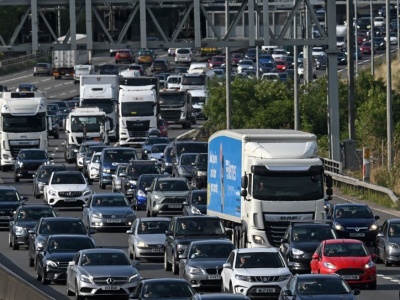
17	260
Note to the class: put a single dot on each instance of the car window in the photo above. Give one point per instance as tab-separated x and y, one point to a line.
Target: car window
9	196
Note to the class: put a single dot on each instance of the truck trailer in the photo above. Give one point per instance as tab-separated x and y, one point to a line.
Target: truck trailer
259	180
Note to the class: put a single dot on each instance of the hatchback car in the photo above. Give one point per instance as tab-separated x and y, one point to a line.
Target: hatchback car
244	64
159	65
216	61
28	161
196	203
108	70
42	176
125	55
348	258
388	242
10	199
148	144
235	58
42	69
81	153
183	55
146	57
185	165
26	87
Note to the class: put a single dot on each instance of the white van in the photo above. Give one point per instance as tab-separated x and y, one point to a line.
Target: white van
82	70
199	99
183	55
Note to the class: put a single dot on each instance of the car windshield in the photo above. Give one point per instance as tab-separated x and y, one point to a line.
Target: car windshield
105	259
167	290
62	227
187	159
345	250
34	214
68	178
200	226
138	169
191	148
259	260
9	196
119	155
208	251
110	201
34	155
69	244
312	234
322	286
172	185
353	212
153	227
153	141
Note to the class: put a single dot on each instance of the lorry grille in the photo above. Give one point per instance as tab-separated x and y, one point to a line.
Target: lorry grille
69	194
275	232
171	115
16	148
173	200
138	128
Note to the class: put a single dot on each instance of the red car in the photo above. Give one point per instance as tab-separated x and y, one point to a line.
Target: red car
216	61
124	56
235	58
281	65
347	257
366	47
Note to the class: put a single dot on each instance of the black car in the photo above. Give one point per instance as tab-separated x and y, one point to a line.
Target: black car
149	142
267	67
25	218
317	287
354	221
28	161
251	54
10	199
196	203
379	43
300	241
42	176
220	296
179	147
140	193
166	160
341	58
321	62
57	251
49	226
108	70
199	171
163	288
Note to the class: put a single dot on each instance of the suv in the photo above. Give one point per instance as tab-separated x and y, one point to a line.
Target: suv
159	65
42	176
183	55
179	147
166	196
42	69
184	229
124	56
28	161
300	242
10	199
199	171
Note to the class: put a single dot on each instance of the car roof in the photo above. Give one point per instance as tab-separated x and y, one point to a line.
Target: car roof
110	194
301	224
52	166
68	172
257	250
35	206
47	219
350	204
103	250
211	241
323	276
7	188
168	178
343	241
160	280
75	236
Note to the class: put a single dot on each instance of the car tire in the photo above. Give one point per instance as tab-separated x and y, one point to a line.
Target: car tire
69	292
372	286
44	280
77	296
9	240
38	277
378	259
102	185
385	259
31	262
167	265
15	246
174	266
230	288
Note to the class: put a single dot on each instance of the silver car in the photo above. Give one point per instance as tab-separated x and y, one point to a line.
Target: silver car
116	181
388	242
108	210
147	237
101	272
201	263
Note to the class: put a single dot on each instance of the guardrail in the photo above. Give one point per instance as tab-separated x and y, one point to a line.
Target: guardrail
23	58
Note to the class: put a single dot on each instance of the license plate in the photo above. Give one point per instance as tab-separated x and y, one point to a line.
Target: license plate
110	288
214	277
113	221
157	250
70	200
355	234
174	206
350	277
265	290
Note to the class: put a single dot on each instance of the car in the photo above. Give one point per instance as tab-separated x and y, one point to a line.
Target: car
379	43
219	296
387	242
216	61
88	156
166	196
184	229
52	258
174	81
279	54
81	153
317	51
116	179
133	170
196	203
108	210
68	188
265	58
53	128
163	127
267	67
184	166
42	69
321	62
162	288
199	171
109	273
52	225
171	51
42	176
235	58
219	72
183	55
392	38
124	55
137	67
148	144
347	257
10	199
244	64
166	160
146	238
108	70
244	267
140	192
366	47
25	218
28	161
93	167
160	65
379	21
157	150
201	263
180	70
280	65
251	54
182	146
318	287
300	242
355	221
273	76
341	58
26	87
300	70
146	57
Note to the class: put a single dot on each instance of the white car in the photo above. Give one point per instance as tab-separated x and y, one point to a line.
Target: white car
67	187
183	55
244	64
171	51
279	54
317	51
379	21
93	167
300	71
174	81
261	272
393	38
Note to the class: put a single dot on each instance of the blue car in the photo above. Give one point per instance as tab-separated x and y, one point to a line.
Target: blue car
140	193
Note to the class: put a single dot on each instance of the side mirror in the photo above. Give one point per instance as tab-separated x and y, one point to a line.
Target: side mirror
377	217
374	257
76	150
39	248
227	266
24	198
380	234
356	292
129	232
287	293
315	256
182	256
185	203
168	232
71	263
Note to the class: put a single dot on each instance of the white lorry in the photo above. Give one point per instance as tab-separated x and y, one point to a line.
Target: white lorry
199	99
261	179
80	70
102	91
23	124
138	109
84	124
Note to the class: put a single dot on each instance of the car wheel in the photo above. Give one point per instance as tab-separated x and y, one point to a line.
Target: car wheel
167	265
15	246
134	257
30	261
44	280
175	267
378	259
9	240
385	259
77	296
222	287
35	194
38	277
372	286
147	213
230	288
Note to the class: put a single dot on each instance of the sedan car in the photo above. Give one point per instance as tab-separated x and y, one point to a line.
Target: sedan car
42	176
366	47
199	171
388	242
235	58
149	142
25	218
348	258
317	287
341	58
163	288
101	272
10	199
159	65
28	161
108	70
244	268
108	210
52	258
196	203
201	263
147	237
83	149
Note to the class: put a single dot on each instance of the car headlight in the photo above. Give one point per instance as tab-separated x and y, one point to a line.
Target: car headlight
201	173
369	265
39	244
259	240
195	271
135	277
144	151
142	245
86	279
157	197
87	192
394	246
140	193
97	214
297	251
168	164
53	193
329	265
339	227
51	263
19	230
243	278
373	227
106	170
194	210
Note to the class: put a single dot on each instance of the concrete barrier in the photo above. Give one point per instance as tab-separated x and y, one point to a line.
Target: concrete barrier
13	287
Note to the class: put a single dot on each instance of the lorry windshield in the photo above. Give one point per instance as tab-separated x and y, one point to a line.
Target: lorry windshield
90	123
194	80
289	187
106	105
199	100
24	124
173	99
137	109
